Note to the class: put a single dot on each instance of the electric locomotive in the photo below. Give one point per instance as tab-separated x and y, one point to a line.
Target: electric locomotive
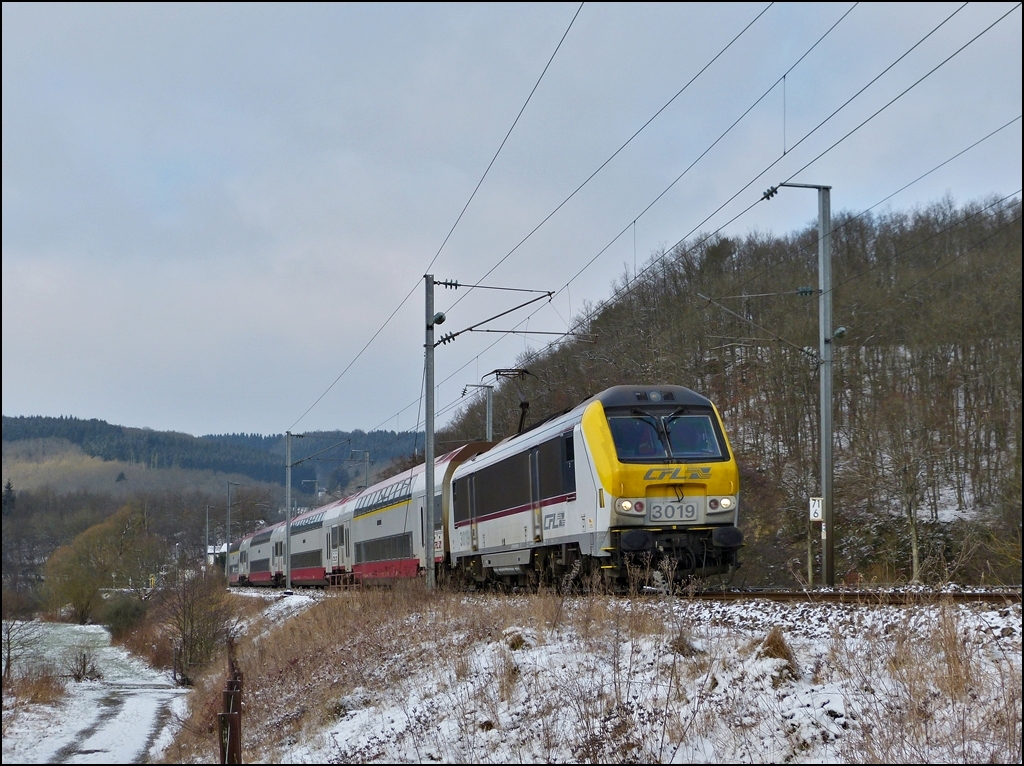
636	477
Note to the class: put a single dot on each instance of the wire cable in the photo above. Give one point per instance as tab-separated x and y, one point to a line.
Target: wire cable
853	219
620	293
459	218
614	154
910	88
660	261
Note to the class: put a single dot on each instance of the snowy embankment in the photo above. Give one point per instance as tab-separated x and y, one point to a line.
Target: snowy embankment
360	677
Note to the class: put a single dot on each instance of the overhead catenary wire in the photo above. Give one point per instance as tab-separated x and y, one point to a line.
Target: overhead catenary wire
708	149
448	236
775	337
853	219
882	261
387	321
560	205
614	154
456	403
917	82
539	352
660	260
826	120
729	129
620	293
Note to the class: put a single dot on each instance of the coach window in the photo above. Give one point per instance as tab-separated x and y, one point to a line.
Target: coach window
503	485
568	464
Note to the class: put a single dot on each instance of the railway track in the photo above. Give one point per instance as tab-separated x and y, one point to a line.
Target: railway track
865	596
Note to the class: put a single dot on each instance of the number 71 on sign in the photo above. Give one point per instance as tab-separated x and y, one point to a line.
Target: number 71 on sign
816	514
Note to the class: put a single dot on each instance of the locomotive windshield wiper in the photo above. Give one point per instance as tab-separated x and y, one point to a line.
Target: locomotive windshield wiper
659	424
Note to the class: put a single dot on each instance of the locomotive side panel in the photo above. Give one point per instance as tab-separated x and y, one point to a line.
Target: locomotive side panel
516	499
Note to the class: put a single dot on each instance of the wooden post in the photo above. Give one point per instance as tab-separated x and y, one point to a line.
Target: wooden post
230	721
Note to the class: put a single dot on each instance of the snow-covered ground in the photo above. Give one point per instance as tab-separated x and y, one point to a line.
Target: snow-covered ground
847	683
710	689
129	715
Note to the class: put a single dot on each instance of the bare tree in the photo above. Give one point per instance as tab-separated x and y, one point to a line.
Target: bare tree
18	635
197	612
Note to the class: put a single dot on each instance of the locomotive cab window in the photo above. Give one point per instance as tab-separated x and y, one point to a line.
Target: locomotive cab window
692	436
648	435
637	438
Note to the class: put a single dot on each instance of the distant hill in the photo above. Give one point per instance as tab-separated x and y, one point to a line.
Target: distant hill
323	457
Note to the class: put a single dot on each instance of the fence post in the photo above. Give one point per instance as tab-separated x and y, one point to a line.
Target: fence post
230	721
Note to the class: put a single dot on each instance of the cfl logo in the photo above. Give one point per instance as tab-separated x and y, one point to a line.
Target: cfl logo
676	474
554	520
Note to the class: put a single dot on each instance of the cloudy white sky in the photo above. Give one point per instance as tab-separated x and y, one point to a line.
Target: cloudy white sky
209	210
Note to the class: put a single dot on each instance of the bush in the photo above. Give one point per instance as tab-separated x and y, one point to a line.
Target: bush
79	663
122	614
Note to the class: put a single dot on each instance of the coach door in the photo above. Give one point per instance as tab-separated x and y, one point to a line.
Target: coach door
333	541
345	545
538	522
277	565
474	533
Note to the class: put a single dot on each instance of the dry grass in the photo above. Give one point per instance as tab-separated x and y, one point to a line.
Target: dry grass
149	640
936	696
775	647
659	682
38	683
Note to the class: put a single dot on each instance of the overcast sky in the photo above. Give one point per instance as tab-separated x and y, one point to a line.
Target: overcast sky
209	210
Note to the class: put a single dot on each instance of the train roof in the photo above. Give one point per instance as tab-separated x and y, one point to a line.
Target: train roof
627	396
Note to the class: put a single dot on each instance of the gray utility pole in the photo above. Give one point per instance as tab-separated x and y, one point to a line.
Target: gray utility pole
227	533
316	490
206	548
428	446
288	510
490	407
366	464
825	373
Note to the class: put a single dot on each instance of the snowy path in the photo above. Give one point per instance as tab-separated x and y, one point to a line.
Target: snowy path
122	718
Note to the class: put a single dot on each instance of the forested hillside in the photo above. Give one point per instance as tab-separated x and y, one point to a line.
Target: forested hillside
258	457
927	382
65	475
154	449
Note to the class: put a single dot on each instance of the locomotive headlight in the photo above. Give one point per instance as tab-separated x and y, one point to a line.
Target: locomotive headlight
624	505
719	504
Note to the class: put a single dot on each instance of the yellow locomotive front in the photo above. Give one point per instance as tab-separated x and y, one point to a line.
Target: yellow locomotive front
668	478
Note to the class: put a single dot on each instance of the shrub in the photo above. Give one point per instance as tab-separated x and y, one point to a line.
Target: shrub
122	614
